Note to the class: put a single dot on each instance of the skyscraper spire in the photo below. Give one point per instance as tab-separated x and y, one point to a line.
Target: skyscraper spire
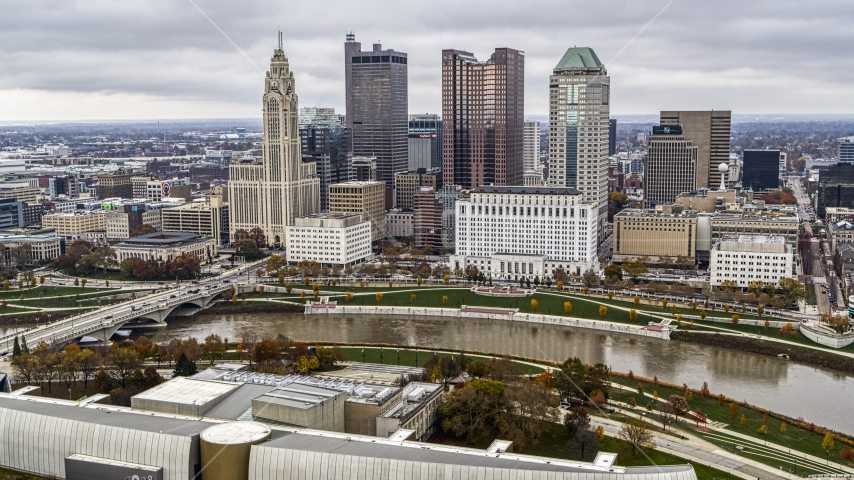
280	40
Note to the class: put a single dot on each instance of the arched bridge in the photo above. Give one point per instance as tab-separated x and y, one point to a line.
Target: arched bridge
104	322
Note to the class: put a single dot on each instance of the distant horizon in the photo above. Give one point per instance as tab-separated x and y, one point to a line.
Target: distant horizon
624	118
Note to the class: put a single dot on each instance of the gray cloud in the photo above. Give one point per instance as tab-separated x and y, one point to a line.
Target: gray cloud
155	58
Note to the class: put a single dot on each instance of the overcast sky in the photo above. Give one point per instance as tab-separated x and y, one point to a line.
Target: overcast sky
158	59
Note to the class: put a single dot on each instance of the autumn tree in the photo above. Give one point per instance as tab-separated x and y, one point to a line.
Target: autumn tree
144	229
567	307
678	405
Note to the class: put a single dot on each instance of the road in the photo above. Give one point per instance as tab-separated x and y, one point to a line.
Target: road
700	451
65	330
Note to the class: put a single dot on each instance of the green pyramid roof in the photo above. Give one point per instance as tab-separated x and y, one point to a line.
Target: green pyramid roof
579	57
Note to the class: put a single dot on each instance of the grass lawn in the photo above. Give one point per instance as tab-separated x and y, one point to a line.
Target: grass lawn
52	291
548	304
13	475
407	358
800	439
793	463
555	444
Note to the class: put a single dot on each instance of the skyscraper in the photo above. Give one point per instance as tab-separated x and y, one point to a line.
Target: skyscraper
483	119
325	142
612	136
425	141
377	106
532	146
270	194
579	113
760	169
670	166
846	149
710	132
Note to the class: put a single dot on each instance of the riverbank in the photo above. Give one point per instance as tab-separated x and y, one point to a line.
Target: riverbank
493	314
250	307
762	347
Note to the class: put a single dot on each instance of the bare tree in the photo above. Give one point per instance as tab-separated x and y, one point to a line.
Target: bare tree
637	433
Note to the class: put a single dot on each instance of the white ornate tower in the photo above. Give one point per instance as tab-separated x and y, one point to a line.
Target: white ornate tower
272	193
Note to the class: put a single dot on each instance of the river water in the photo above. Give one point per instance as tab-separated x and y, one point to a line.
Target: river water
818	395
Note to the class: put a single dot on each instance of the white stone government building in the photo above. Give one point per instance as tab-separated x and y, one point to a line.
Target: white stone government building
514	232
745	259
329	239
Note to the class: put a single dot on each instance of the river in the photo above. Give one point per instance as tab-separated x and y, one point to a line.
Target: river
818	395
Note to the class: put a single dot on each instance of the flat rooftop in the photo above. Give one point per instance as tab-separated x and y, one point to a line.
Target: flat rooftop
187	391
372	447
103	415
770	239
527	190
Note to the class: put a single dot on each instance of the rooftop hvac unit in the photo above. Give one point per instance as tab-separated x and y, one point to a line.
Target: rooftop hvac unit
367	393
383	394
416	394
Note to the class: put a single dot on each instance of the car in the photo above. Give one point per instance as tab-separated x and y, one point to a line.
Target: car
107	317
195	282
161	283
146	304
172	296
565	405
226	281
134	308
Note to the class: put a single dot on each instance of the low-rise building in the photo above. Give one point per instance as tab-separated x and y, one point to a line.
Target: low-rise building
363	198
39	246
415	410
73	225
399	223
839	232
329	239
740	223
838	214
745	259
664	233
551	223
20	191
208	218
166	246
406	184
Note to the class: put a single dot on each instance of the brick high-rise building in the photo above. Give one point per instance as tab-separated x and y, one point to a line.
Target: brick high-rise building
378	106
115	185
483	116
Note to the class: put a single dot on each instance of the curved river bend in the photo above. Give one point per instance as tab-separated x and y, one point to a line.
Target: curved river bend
819	395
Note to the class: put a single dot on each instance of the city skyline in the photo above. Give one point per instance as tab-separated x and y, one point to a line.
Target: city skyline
183	67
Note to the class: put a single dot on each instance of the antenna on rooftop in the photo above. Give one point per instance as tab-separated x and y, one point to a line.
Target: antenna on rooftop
280	39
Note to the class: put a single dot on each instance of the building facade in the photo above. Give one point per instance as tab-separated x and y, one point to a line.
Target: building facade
835	187
531	149
427	218
407	183
745	259
659	235
398	223
845	149
549	223
271	194
38	247
74	225
326	143
209	218
115	185
580	106
377	99
483	116
166	246
448	196
670	167
710	132
362	198
425	142
329	239
760	170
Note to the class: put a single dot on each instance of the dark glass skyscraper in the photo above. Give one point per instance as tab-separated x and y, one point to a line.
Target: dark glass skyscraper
326	142
483	118
760	169
378	106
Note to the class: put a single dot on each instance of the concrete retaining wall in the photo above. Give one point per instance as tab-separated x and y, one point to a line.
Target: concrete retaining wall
742	321
519	317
